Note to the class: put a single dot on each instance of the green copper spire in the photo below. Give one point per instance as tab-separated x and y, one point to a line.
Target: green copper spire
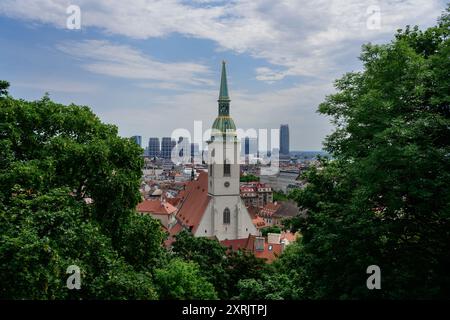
223	94
224	123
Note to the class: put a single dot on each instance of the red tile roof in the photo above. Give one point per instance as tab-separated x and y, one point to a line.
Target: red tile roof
155	207
291	237
174	201
195	202
269	209
259	222
172	233
235	244
270	252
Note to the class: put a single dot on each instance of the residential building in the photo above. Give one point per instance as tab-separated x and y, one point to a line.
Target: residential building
159	209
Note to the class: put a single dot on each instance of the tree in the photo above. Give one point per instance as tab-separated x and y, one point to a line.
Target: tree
279	196
182	280
4	85
249	178
221	267
141	242
384	199
270	229
53	159
278	281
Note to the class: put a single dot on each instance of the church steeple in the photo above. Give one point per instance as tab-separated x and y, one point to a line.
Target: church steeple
224	99
223	123
223	94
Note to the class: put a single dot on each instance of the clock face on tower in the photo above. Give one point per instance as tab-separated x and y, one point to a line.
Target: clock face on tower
226	184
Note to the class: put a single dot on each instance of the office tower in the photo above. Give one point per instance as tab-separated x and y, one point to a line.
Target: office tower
153	147
166	147
137	140
195	153
284	139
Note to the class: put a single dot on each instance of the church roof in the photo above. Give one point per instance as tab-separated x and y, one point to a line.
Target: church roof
224	124
196	200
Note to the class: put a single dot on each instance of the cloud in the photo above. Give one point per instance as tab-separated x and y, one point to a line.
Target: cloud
106	58
298	37
307	43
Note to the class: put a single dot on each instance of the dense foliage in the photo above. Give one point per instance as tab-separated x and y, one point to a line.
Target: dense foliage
249	178
220	266
54	161
385	198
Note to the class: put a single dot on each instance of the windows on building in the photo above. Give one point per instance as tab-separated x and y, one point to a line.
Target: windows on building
226	216
226	169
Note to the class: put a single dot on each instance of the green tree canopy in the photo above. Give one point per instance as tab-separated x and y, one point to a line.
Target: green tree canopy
385	198
68	189
182	280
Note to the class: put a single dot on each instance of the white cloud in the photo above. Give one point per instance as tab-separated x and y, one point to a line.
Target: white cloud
319	39
104	57
301	37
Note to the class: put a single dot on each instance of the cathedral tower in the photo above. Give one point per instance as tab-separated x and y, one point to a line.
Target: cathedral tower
229	217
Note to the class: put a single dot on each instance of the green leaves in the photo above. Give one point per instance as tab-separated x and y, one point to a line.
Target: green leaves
384	199
183	280
52	158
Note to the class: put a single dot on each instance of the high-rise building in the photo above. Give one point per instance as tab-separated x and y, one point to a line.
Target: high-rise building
167	144
195	153
250	146
153	147
137	140
284	139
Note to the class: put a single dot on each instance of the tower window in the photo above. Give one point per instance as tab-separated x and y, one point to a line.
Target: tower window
226	169
226	216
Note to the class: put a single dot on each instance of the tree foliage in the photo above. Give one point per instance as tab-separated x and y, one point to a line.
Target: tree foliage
52	159
384	199
222	267
182	280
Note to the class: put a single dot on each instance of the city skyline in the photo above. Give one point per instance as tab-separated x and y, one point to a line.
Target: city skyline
156	73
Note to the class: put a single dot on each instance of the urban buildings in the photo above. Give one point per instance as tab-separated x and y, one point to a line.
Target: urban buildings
213	206
284	180
167	144
153	147
255	194
137	140
284	139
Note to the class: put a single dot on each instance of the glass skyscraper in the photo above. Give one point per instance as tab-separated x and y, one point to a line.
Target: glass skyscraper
138	140
153	147
284	139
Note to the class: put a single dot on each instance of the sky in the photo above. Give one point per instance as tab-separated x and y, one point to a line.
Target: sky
151	67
